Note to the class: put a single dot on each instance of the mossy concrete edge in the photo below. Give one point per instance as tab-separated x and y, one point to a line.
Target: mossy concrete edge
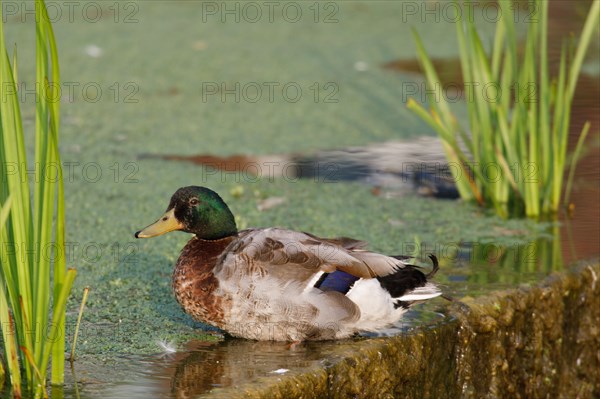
540	341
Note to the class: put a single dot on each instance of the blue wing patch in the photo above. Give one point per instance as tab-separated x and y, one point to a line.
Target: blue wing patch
337	281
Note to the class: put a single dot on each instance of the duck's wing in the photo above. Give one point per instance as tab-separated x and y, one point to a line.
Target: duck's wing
295	256
345	242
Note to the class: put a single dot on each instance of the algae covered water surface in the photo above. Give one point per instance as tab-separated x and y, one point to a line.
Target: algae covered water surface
184	78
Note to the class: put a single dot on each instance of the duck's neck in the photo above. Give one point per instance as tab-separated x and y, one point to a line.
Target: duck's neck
194	282
213	222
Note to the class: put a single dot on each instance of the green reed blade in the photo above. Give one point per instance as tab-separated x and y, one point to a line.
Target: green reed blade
530	152
508	172
436	97
58	348
7	326
18	227
575	158
531	190
39	376
55	333
10	343
591	24
435	123
14	64
44	192
86	292
465	65
543	128
563	136
498	49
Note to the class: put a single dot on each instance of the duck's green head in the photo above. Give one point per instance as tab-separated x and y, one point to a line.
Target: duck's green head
196	210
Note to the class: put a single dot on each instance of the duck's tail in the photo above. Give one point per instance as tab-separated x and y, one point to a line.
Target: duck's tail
410	285
383	300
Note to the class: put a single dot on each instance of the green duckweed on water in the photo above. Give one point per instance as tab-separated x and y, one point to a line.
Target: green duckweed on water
136	81
130	282
122	100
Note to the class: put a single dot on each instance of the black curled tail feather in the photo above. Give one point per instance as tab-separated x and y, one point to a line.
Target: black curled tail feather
436	266
434	260
406	280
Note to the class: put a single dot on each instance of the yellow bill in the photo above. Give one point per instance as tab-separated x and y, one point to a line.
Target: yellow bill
166	223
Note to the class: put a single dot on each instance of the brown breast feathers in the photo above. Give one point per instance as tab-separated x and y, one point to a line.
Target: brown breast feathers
194	283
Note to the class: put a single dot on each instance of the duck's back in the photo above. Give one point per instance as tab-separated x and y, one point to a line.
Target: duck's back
278	284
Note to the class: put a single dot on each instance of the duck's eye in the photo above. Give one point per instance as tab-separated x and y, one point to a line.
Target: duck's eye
194	202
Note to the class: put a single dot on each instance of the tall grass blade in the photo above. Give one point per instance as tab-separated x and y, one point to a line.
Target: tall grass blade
44	189
56	331
16	266
557	125
10	344
436	97
8	329
575	159
53	95
544	109
86	292
591	24
31	361
462	184
8	336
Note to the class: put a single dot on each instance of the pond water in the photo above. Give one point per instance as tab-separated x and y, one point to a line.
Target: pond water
212	369
208	368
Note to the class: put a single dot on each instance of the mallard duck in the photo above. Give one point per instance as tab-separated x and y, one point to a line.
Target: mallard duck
279	284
